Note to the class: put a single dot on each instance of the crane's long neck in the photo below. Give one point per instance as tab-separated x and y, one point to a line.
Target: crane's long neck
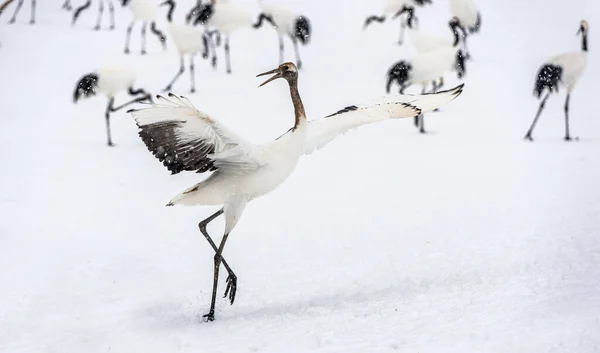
170	12
584	42
299	113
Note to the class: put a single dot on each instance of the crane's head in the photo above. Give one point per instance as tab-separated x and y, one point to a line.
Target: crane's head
410	15
583	27
288	71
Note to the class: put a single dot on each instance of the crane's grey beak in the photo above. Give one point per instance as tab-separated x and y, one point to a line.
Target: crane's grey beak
277	75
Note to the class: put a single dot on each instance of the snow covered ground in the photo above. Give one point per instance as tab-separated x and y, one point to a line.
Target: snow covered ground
467	239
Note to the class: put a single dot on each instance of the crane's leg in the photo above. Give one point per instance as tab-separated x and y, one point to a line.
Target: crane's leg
298	61
231	288
111	9
159	34
17	9
79	10
109	108
418	117
567	135
67	5
402	29
144	25
227	55
100	12
280	48
128	36
32	21
213	49
192	74
537	116
179	73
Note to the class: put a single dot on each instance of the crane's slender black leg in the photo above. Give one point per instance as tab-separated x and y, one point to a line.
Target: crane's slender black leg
128	36
32	21
79	10
192	74
298	60
17	9
217	263
159	34
231	278
567	135
111	9
109	108
227	55
100	11
537	116
144	25
67	5
418	117
280	48
179	73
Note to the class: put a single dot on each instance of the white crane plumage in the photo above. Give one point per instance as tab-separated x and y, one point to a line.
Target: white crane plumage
109	81
562	70
87	4
144	11
469	18
185	139
425	68
396	8
287	23
189	41
224	18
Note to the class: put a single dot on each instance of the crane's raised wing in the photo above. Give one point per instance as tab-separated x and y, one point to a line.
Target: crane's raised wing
184	138
322	131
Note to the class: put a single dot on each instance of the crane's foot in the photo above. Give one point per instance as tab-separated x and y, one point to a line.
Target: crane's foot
229	71
214	62
11	21
168	88
143	52
32	22
421	131
127	51
110	144
96	28
193	90
528	137
299	65
231	288
210	316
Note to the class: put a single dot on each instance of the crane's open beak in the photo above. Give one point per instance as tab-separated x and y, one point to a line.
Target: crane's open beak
277	75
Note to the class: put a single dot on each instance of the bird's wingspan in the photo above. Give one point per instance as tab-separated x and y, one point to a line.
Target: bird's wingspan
323	131
184	138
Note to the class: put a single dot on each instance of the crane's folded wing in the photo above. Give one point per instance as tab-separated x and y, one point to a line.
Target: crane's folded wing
185	139
322	131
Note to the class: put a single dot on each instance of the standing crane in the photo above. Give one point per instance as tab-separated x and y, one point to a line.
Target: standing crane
562	70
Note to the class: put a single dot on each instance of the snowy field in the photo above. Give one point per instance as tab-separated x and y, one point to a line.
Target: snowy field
466	239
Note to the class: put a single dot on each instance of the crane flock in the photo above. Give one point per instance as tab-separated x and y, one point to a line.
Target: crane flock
186	139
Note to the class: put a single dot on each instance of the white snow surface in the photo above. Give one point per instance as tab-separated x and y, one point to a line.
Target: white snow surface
466	239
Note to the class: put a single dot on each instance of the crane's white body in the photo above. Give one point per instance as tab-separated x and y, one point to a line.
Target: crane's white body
465	11
424	42
429	66
228	17
114	79
246	171
187	39
144	10
573	65
282	16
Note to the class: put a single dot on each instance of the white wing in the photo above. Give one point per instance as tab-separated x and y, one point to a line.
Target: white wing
322	131
183	138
